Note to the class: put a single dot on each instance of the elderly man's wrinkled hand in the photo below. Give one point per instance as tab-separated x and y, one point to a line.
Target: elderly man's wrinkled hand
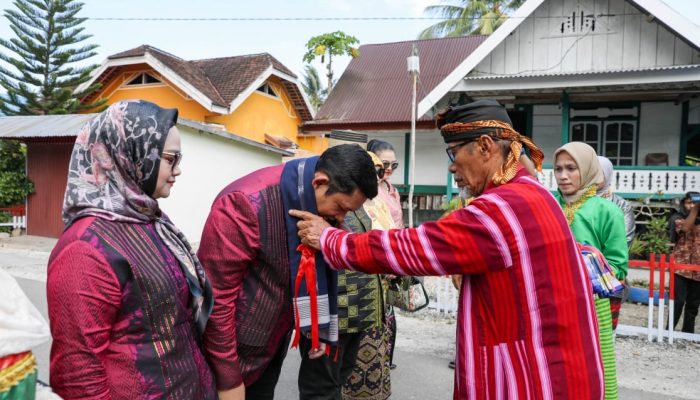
310	227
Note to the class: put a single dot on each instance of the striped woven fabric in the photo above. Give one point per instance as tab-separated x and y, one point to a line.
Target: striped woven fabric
526	321
607	347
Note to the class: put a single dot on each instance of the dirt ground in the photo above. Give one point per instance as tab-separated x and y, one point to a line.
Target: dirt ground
666	369
636	315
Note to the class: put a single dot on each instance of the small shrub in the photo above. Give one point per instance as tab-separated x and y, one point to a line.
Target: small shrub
5	217
655	238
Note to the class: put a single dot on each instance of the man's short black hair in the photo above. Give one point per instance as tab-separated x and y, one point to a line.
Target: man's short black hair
348	167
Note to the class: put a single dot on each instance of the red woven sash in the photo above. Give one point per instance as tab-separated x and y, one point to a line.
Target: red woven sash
307	271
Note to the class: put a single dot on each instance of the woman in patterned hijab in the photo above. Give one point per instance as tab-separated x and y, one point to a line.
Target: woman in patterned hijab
128	298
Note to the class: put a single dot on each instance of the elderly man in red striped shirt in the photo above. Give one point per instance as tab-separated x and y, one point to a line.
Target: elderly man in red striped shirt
526	323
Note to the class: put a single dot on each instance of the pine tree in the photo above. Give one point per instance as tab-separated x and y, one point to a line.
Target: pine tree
40	76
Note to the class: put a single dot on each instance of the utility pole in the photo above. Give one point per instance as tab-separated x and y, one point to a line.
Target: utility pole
413	69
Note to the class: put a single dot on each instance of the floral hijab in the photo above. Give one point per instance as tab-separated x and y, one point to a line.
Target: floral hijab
113	174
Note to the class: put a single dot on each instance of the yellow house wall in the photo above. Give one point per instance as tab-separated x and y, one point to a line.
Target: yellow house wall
316	144
260	114
165	95
257	115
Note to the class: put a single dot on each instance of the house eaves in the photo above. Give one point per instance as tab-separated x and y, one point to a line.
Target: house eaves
586	73
204	128
168	73
649	76
42	126
68	126
270	71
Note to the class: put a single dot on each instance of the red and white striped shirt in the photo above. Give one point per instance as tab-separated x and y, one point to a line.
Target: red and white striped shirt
526	324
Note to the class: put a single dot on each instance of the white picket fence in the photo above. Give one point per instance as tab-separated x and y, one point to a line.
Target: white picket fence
18	222
443	295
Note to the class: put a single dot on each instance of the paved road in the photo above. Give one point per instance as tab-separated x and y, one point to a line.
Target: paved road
417	377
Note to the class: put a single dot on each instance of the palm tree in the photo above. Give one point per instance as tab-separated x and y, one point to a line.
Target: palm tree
468	17
312	86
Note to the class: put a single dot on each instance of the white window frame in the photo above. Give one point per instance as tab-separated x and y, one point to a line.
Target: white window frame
602	141
143	83
268	90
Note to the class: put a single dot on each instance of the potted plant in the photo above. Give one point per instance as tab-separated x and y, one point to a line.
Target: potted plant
654	240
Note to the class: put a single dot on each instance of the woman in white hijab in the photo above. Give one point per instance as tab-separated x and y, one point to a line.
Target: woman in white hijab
606	192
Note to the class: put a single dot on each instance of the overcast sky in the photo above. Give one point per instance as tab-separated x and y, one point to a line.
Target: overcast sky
285	40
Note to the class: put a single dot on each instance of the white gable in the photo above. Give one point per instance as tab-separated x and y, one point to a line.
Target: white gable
565	36
549	37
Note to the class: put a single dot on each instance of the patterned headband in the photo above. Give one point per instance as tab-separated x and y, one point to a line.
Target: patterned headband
500	130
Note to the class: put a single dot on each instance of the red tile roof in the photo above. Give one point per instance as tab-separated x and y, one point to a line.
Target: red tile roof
188	70
220	79
245	69
376	87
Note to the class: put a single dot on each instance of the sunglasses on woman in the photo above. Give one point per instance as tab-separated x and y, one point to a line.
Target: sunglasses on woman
389	164
173	158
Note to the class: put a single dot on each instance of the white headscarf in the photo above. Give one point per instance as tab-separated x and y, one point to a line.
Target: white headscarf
604	190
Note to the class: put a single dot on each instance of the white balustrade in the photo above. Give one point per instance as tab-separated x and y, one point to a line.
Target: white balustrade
643	182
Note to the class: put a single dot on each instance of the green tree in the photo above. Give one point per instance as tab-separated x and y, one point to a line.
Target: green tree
330	44
313	87
14	185
468	17
40	75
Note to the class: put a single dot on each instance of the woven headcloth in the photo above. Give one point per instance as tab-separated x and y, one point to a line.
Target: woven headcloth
488	117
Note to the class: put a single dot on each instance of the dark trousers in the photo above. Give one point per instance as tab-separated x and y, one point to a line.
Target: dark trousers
687	297
264	387
323	378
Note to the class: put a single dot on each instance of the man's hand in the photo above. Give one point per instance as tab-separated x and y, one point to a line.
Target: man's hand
237	393
317	353
457	281
310	227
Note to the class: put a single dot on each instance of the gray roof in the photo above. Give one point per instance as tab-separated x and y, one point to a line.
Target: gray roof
42	126
67	126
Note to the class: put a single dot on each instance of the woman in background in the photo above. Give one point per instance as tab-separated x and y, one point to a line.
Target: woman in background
606	192
597	222
128	299
390	196
684	229
370	376
387	192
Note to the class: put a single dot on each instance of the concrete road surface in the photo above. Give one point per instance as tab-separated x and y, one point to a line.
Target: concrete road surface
418	376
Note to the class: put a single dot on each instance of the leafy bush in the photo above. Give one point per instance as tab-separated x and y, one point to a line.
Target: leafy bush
653	240
5	217
14	185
